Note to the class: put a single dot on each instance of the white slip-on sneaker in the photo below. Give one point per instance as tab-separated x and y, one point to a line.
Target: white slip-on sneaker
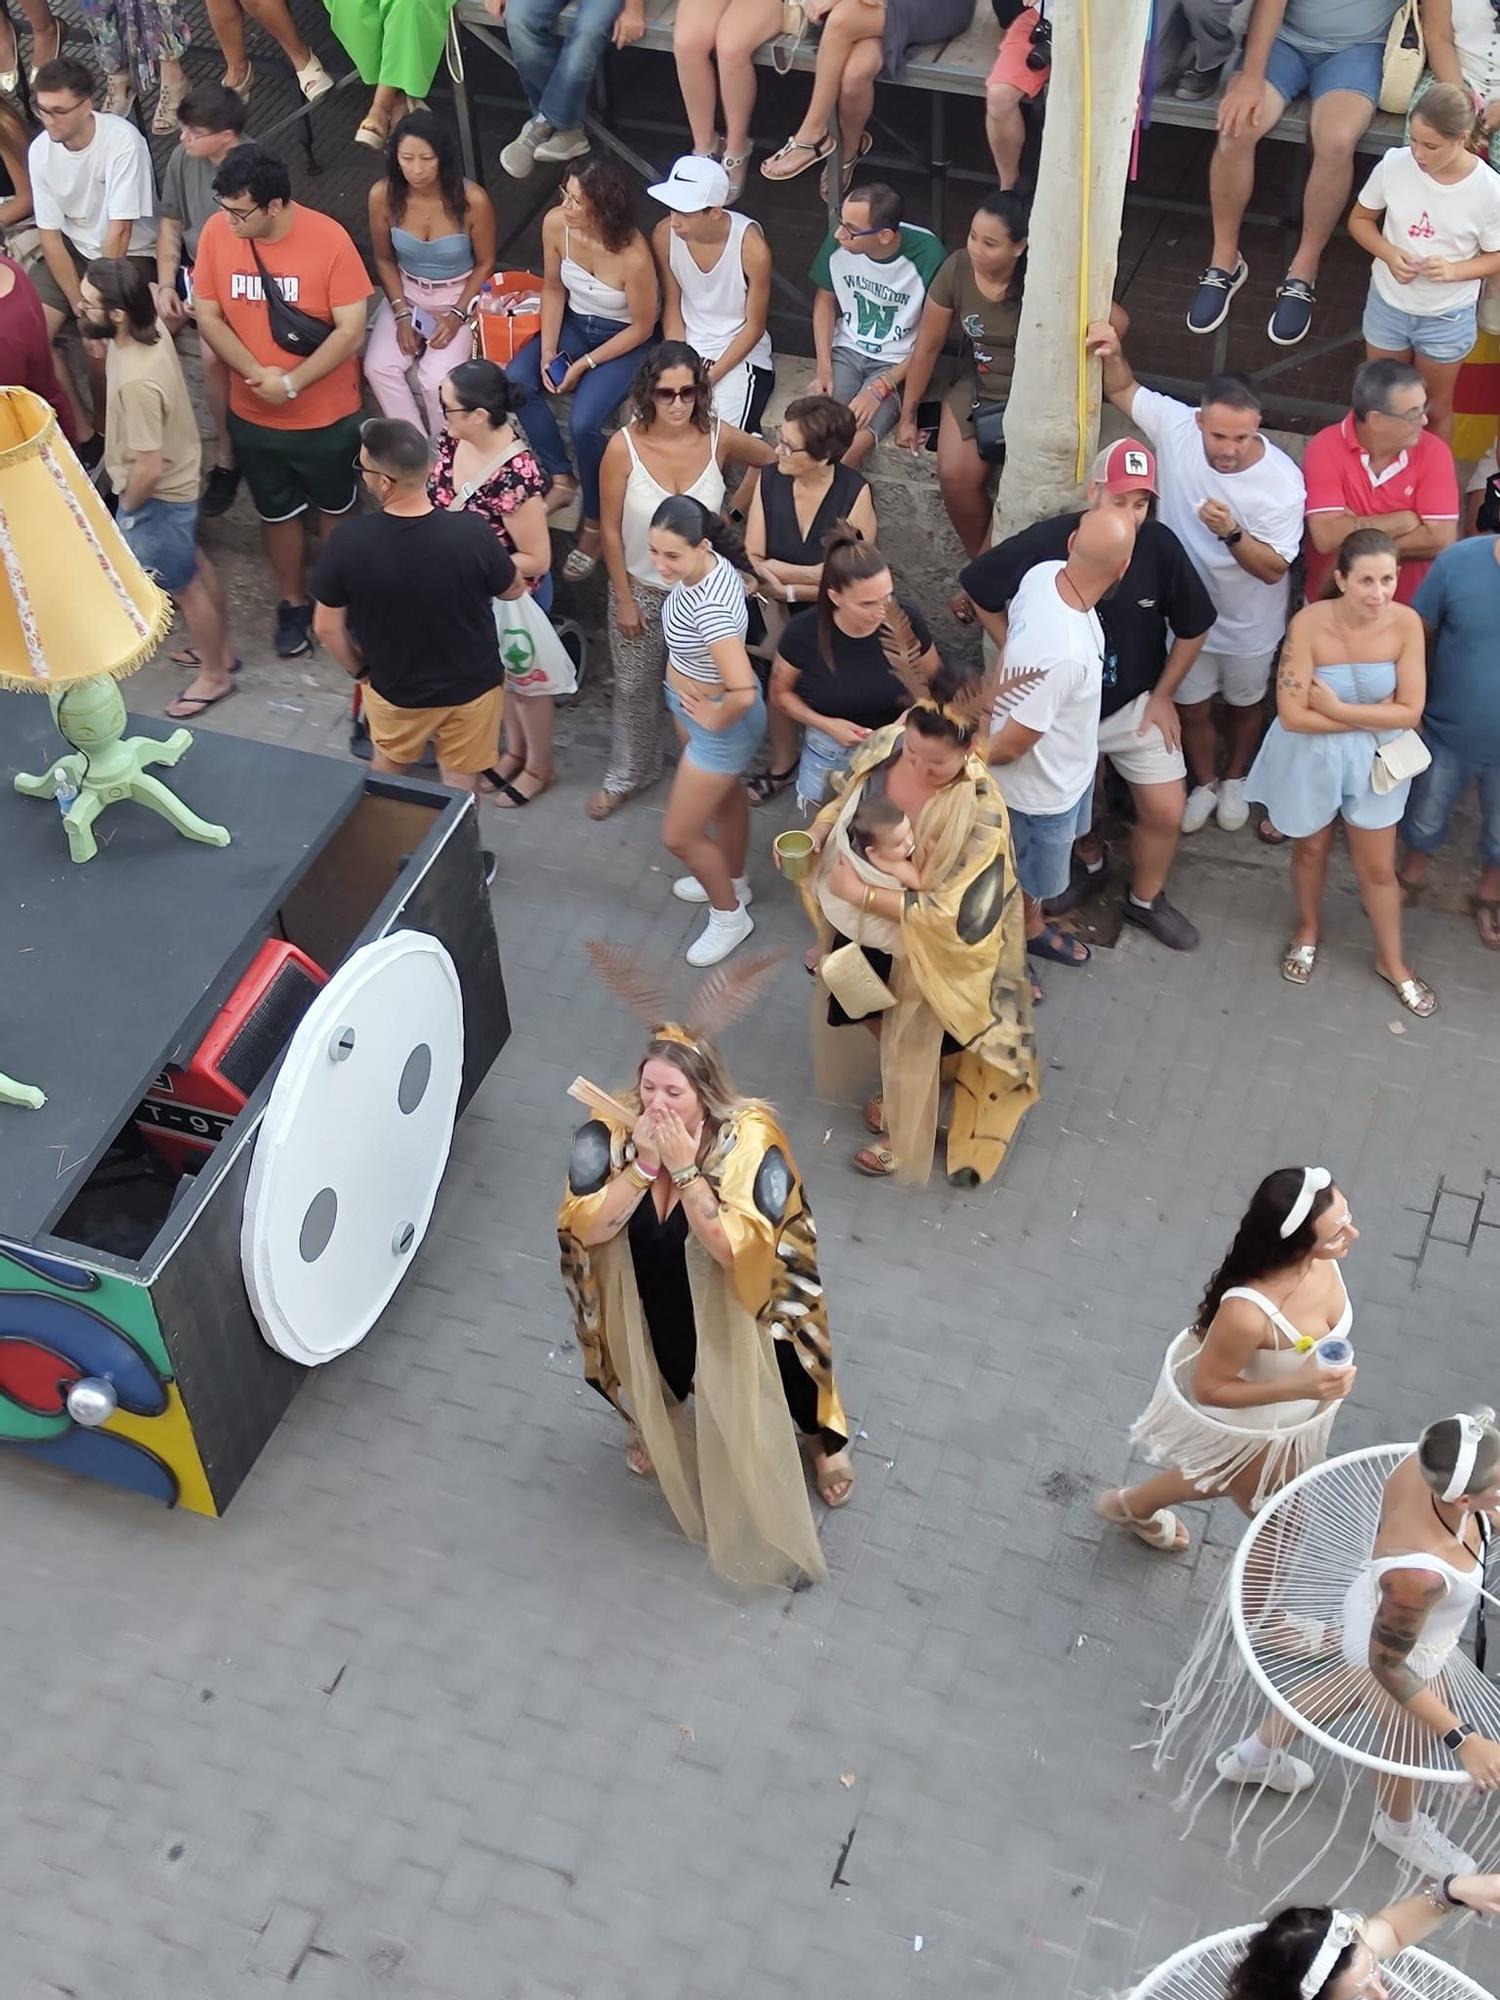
1281	1771
1232	812
688	889
1421	1844
1199	810
724	930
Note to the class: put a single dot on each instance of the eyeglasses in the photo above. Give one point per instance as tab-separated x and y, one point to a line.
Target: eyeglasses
784	448
1413	416
665	395
240	214
848	229
370	471
60	110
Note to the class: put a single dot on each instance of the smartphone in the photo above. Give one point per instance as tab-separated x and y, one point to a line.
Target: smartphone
557	367
423	322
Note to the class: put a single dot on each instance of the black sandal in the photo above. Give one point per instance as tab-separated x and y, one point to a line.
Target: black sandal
766	784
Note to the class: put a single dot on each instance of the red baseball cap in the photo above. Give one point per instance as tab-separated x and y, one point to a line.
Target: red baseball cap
1125	467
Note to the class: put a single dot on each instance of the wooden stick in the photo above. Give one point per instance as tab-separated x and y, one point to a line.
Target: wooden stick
599	1101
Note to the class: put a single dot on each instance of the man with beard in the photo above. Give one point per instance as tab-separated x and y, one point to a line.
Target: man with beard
1154	622
1235	502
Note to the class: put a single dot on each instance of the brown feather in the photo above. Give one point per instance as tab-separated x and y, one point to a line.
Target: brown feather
903	652
643	992
728	992
994	690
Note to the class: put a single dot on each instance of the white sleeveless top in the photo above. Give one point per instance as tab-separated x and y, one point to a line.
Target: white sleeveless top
589	297
1269	1364
644	494
713	302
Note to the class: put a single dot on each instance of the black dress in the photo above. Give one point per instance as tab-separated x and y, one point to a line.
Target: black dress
658	1252
785	541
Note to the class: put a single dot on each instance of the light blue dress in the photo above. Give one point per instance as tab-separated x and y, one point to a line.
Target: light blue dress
1306	782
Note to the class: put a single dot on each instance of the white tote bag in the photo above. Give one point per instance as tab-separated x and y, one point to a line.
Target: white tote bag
536	661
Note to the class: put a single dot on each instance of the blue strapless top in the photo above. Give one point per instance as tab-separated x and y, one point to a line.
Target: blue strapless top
1366	681
444	257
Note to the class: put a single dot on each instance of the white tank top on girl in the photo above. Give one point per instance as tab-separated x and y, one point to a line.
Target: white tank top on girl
643	495
714	302
589	296
1267	1364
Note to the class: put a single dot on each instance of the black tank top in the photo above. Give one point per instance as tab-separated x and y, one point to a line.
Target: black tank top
785	541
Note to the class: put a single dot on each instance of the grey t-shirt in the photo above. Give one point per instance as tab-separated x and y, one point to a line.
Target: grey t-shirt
1323	26
187	196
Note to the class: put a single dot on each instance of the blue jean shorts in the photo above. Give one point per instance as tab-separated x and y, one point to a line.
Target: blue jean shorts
1437	790
1293	72
1044	846
1444	336
727	753
163	537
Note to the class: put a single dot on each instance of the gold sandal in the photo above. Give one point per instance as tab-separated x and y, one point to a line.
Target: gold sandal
815	150
878	1162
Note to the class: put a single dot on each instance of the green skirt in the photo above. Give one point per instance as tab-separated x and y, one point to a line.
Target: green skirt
395	42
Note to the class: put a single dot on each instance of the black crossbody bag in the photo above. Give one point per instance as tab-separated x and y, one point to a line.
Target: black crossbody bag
294	331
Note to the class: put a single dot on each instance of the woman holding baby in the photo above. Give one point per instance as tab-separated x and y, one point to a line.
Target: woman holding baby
915	901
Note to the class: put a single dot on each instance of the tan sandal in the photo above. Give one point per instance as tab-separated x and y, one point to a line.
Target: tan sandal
372	132
875	1116
603	804
879	1162
1161	1530
834	1474
638	1458
778	166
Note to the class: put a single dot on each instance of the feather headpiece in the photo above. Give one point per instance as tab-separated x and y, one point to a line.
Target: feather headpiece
993	692
720	998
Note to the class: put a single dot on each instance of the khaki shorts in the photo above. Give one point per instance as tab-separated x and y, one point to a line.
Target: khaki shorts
1139	759
51	292
1242	679
467	738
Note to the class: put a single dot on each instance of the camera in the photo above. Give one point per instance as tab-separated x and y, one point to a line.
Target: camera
1039	55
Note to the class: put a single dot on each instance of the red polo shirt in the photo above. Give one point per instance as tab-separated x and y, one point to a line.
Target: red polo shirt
1337	472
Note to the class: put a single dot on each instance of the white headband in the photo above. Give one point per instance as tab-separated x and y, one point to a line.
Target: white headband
1314	1180
1340	1934
1471	1436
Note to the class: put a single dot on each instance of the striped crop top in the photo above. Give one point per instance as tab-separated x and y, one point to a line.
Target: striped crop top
695	615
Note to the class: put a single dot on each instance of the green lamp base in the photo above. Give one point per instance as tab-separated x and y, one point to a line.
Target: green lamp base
25	1094
107	767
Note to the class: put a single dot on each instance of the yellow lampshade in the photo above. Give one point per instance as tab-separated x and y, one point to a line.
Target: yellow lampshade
75	604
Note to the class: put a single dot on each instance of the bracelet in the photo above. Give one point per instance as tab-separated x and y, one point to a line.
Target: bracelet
791	592
637	1175
458	313
869	899
591	361
401	312
685	1176
1441	1896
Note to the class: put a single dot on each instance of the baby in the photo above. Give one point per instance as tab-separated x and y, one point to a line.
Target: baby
880	846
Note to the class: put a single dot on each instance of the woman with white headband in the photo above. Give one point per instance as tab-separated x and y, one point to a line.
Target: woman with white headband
1317	1953
1387	1653
1243	1402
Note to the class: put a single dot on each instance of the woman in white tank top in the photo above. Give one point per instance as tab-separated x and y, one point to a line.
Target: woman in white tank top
671	444
1242	1404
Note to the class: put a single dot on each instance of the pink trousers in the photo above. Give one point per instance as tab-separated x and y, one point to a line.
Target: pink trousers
389	371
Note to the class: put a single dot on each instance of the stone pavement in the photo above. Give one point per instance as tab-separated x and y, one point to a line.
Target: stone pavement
445	1707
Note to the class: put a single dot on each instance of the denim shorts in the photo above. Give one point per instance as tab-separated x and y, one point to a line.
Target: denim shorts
1435	792
1293	72
162	535
727	753
1044	846
1446	336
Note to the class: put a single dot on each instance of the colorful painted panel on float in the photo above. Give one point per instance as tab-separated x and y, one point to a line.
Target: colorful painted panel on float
60	1322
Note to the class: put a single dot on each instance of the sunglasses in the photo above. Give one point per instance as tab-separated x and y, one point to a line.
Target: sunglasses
687	395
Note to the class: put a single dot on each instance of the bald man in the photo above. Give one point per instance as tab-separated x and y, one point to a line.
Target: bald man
1046	748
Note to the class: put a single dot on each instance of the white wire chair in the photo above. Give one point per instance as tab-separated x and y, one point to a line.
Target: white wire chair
1290	1576
1201	1971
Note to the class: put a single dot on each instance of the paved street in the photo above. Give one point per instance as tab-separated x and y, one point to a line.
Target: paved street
445	1708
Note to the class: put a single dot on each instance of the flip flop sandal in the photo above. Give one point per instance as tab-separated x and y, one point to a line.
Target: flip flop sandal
1415	995
198	704
766	784
1268	832
875	1116
811	153
1161	1530
866	141
1297	963
879	1162
1055	945
509	797
190	657
830	1474
579	565
1483	908
735	164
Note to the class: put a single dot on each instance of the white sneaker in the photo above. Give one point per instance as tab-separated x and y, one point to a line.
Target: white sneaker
724	930
1422	1846
564	145
1233	813
1200	806
688	889
1280	1772
314	81
519	157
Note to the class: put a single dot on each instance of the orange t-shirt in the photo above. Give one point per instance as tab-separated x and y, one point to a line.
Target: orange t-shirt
319	268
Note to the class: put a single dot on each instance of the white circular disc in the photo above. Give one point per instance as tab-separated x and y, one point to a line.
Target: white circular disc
352	1147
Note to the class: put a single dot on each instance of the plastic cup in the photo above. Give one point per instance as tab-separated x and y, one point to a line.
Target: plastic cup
795	852
1335	1352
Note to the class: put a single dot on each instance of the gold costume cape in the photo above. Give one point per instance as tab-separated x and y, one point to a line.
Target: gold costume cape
961	971
733	1477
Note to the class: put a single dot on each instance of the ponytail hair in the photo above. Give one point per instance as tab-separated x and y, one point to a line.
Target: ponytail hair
1013	212
681	515
847	558
1259	1248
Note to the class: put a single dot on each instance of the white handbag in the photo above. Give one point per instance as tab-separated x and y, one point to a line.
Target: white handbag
854	983
1405	58
1402	758
536	661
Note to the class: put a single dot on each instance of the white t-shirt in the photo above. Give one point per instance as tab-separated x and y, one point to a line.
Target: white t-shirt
108	180
1426	219
1044	630
1267	499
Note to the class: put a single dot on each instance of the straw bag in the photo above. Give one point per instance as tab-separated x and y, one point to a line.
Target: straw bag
854	983
1405	58
1403	757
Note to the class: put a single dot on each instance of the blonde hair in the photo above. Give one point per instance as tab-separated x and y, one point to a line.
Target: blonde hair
704	1069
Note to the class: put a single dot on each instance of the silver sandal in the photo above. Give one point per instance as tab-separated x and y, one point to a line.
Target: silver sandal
1297	963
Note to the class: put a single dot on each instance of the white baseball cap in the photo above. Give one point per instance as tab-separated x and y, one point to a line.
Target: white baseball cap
695	183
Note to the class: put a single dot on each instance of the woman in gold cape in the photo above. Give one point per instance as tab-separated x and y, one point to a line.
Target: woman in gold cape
690	1258
962	1012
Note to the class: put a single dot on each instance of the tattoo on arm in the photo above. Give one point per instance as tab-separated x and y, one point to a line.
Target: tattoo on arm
1396	1629
1289	681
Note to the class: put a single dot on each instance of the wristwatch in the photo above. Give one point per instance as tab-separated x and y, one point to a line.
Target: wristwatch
291	388
1235	535
1454	1737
